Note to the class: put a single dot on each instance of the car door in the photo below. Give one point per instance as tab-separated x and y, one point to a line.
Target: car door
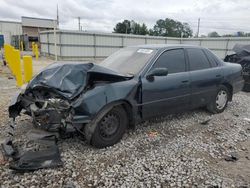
170	93
205	76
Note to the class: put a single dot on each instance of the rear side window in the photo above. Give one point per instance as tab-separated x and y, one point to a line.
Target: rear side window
197	59
173	60
211	58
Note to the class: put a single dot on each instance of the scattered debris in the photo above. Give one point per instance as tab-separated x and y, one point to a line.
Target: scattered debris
232	157
3	161
153	134
205	122
41	151
247	119
236	114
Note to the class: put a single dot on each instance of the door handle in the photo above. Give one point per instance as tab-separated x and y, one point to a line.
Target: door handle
218	75
185	81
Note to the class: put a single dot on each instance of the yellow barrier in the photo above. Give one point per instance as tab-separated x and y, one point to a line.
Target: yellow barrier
33	48
28	69
21	43
12	60
17	69
7	53
36	51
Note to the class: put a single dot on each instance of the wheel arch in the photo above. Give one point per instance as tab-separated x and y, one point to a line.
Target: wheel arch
98	116
127	107
230	89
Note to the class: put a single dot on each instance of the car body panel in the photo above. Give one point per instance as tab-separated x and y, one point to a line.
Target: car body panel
165	94
204	84
100	87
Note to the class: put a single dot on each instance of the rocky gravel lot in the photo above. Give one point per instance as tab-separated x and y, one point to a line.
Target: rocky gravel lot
182	150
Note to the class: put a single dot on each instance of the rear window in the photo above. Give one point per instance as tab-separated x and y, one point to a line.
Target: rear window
197	59
211	57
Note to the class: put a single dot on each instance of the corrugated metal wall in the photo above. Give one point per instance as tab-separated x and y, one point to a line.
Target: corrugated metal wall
77	45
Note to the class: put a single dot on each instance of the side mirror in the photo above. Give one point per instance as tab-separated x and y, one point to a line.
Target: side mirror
157	72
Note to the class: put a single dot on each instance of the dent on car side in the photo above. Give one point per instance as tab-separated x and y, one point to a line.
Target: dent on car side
92	101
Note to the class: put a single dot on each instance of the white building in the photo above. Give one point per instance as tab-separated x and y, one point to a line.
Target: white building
9	28
29	26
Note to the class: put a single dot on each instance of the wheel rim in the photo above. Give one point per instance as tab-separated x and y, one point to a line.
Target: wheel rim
221	99
109	125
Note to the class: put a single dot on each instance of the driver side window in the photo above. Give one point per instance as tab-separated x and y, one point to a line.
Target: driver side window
173	60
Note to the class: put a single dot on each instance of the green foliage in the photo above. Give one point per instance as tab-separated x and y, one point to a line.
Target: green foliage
172	28
131	27
167	27
123	27
213	34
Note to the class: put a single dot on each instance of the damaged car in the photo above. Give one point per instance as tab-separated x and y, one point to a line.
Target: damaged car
242	57
134	84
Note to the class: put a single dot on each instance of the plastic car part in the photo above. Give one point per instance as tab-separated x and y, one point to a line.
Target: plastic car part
41	151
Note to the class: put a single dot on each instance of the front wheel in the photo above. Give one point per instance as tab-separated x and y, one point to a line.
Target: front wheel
219	102
110	128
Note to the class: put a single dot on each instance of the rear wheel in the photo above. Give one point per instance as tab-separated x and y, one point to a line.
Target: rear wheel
219	102
110	128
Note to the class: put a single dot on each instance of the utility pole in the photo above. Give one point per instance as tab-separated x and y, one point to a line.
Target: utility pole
79	23
198	28
55	42
57	16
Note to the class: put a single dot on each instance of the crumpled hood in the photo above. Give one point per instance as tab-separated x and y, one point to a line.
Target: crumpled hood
69	79
241	50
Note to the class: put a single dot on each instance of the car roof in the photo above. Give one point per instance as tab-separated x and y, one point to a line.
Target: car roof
165	46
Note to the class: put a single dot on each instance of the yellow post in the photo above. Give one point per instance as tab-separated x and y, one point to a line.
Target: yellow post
33	48
12	60
6	53
17	69
21	45
36	51
28	69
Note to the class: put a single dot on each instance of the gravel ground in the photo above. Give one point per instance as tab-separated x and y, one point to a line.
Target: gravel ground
172	151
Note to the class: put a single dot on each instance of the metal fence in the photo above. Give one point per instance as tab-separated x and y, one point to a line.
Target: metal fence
79	45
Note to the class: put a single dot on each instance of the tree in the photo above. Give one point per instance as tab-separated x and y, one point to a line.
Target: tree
171	28
228	35
143	29
123	27
213	34
131	27
247	34
151	32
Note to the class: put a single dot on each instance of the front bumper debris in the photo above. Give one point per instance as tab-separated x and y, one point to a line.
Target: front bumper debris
40	151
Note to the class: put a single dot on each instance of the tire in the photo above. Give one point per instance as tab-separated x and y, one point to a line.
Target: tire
110	128
219	101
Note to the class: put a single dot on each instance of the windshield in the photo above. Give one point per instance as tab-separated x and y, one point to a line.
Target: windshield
128	60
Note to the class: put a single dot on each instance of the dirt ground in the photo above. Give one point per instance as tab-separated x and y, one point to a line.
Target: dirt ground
172	151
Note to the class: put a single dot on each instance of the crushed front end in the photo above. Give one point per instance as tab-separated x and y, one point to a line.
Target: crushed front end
50	116
62	98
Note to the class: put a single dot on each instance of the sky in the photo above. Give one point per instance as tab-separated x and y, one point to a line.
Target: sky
223	16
